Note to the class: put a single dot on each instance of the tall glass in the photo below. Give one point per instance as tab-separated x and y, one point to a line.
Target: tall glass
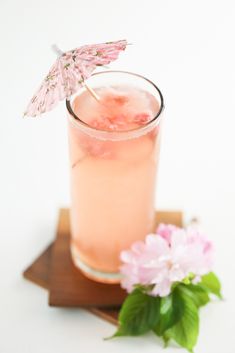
113	179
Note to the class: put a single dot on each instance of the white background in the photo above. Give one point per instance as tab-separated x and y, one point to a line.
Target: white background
187	48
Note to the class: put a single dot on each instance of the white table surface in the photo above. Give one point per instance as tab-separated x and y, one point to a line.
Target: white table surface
187	48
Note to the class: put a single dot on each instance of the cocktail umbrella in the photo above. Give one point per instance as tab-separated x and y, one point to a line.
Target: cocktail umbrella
69	73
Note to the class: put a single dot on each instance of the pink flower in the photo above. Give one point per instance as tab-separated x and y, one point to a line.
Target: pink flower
164	258
165	230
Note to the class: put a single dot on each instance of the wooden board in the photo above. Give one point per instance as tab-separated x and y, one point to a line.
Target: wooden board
54	270
38	272
68	286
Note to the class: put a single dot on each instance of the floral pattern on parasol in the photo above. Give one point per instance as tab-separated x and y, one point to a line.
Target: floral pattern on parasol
69	73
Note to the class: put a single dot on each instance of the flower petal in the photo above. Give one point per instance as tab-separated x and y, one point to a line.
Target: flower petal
162	289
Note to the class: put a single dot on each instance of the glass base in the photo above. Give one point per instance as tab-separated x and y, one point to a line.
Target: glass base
91	273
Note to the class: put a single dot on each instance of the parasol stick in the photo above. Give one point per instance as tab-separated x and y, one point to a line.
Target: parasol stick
92	92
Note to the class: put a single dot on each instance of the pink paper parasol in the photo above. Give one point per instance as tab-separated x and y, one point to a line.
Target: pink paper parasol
69	73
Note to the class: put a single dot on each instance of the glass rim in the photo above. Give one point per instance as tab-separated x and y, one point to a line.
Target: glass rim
80	123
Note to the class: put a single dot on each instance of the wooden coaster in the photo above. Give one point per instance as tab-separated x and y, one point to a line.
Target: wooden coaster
68	287
38	273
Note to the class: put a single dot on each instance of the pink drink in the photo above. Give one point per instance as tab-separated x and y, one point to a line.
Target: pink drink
114	160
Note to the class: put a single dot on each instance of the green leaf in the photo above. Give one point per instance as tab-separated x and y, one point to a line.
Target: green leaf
166	340
139	314
196	292
211	282
171	311
185	332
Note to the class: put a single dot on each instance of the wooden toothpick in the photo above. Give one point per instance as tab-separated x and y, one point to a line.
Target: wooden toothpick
92	92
